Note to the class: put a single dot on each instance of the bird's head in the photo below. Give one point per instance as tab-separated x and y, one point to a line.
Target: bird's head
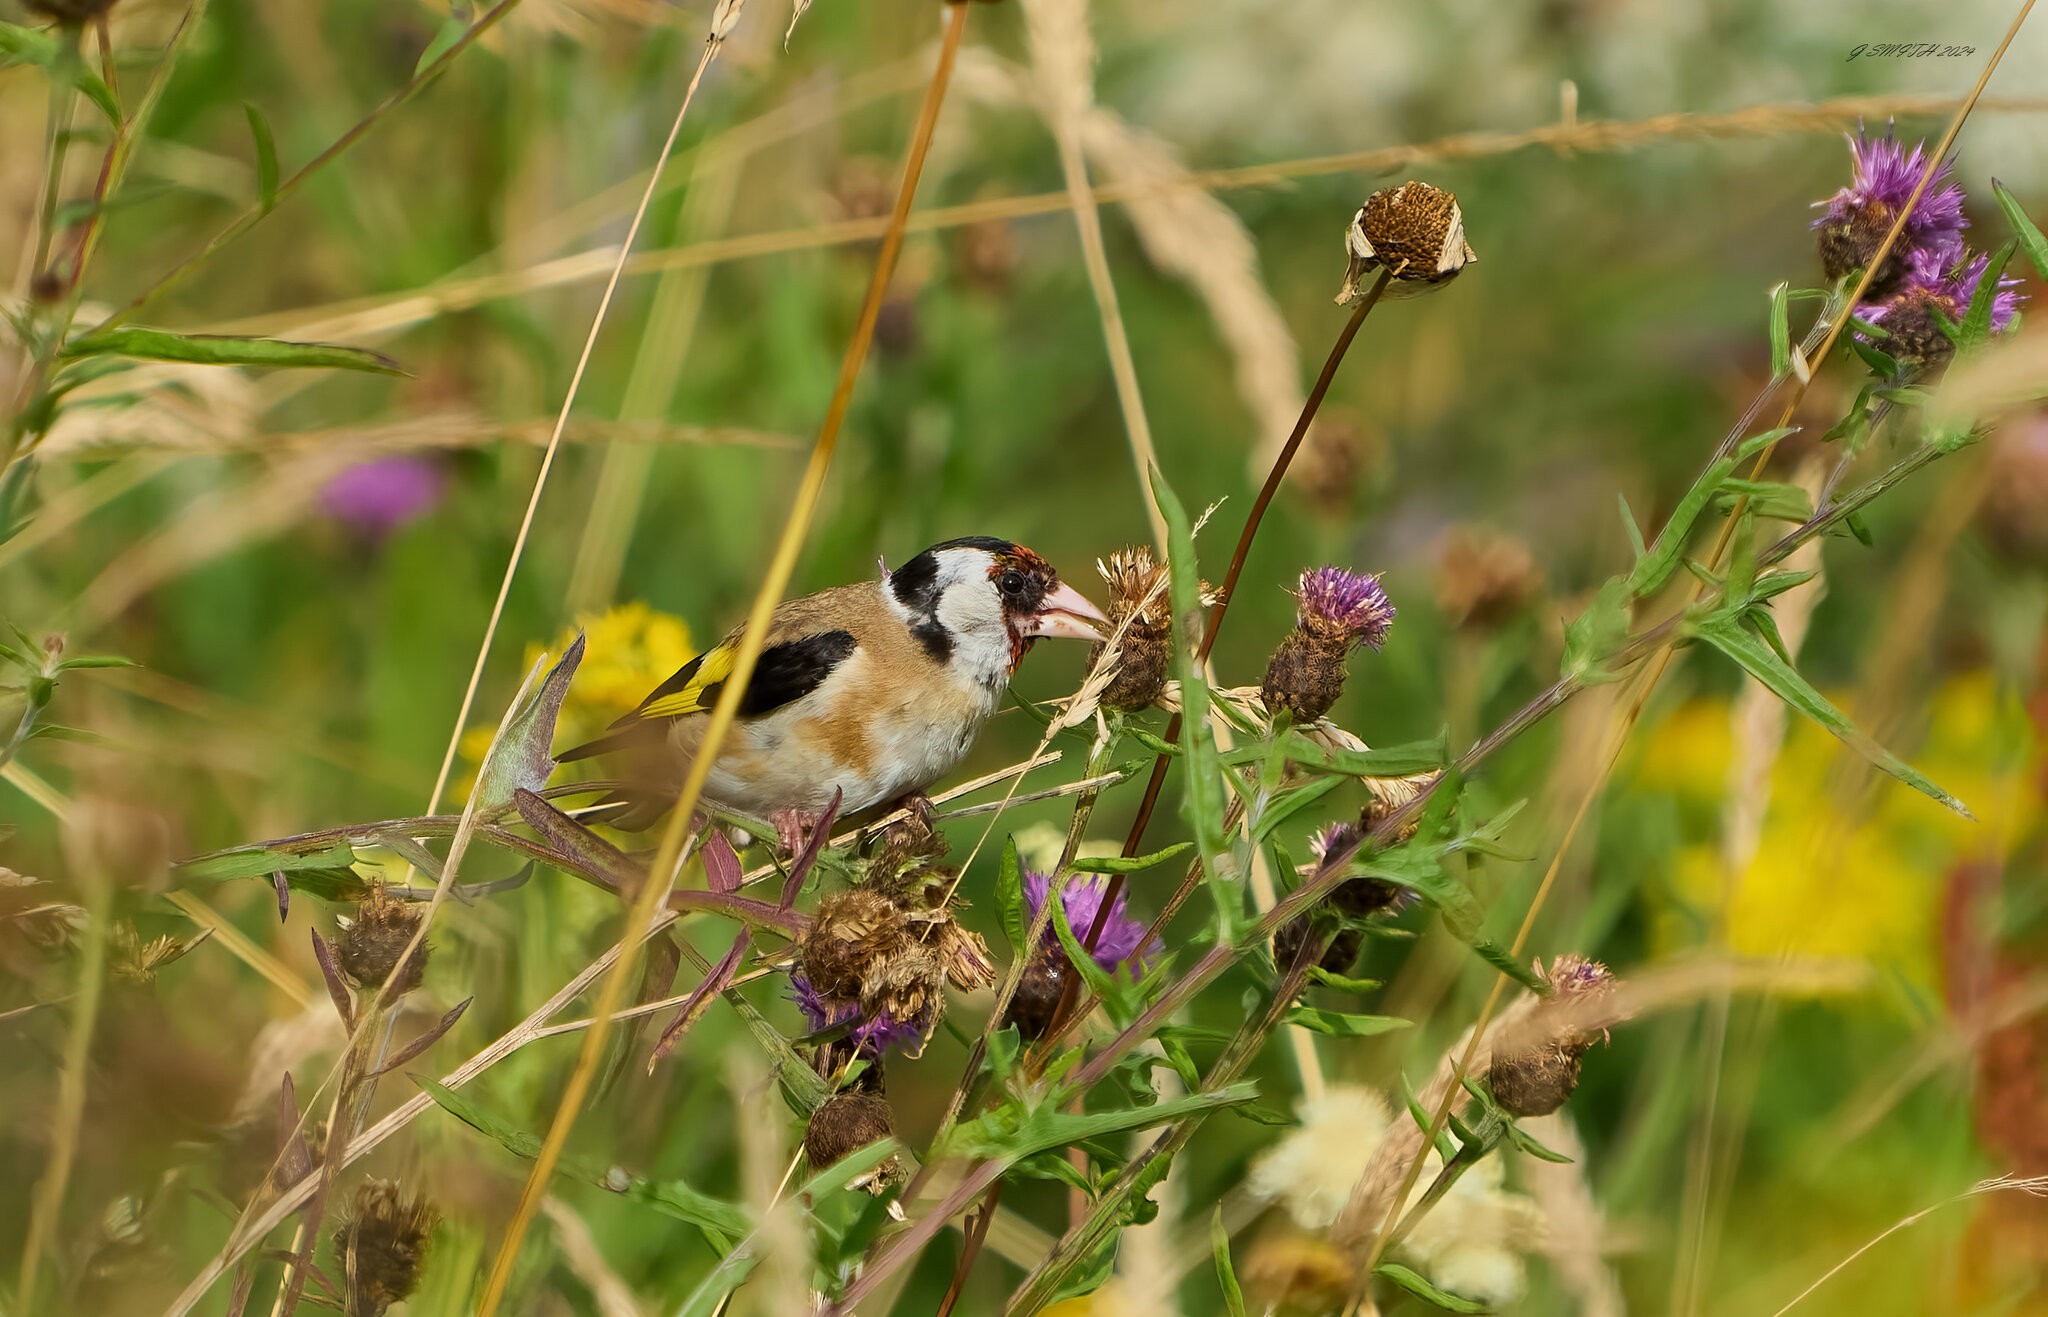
983	601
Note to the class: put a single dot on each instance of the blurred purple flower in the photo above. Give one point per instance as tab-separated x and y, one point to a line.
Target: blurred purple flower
378	496
1857	217
1122	935
1347	604
870	1036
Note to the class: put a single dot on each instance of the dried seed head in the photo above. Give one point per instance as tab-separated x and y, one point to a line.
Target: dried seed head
1414	230
70	13
1138	592
850	935
1536	1068
1483	578
1305	675
383	1246
985	252
845	1123
371	945
965	956
1535	1082
1038	994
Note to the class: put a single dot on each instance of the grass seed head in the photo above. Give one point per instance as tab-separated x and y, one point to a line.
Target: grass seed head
371	945
383	1246
1414	230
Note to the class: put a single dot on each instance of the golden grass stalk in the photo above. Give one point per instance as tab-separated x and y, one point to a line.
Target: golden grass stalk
1063	55
669	858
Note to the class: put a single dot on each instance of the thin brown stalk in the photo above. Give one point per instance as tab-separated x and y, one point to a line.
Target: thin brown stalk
670	856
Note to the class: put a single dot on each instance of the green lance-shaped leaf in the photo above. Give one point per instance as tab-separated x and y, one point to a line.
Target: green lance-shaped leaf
1004	1137
1781	679
1656	566
1202	794
266	157
1342	1024
1781	331
1388	761
2024	229
226	350
520	757
1010	896
1976	326
1226	1275
1402	1278
1128	864
1596	635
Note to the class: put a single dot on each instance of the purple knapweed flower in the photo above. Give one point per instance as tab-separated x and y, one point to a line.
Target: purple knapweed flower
1350	604
871	1035
379	496
1859	216
1912	330
1123	938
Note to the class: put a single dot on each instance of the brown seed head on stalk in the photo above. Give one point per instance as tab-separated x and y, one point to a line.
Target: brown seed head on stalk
1138	591
1414	231
383	1246
1537	1067
1483	578
371	944
851	934
1339	611
845	1123
1337	958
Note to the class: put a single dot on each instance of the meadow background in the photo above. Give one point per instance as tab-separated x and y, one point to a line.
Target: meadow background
302	564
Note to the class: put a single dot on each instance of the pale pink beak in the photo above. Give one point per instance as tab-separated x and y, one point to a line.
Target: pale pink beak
1066	613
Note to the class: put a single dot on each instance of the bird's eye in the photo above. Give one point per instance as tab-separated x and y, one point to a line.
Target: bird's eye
1010	584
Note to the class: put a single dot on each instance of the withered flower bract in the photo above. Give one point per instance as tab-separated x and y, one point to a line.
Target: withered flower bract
383	1246
371	945
1416	231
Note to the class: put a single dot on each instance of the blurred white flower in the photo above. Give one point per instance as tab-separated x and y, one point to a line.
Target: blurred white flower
1470	1242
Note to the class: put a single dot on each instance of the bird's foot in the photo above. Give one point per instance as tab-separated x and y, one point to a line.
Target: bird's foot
793	829
917	835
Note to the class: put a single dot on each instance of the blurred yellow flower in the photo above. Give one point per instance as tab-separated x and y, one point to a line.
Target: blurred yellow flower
1838	871
628	651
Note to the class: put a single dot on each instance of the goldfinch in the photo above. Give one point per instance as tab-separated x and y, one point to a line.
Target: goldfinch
873	691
